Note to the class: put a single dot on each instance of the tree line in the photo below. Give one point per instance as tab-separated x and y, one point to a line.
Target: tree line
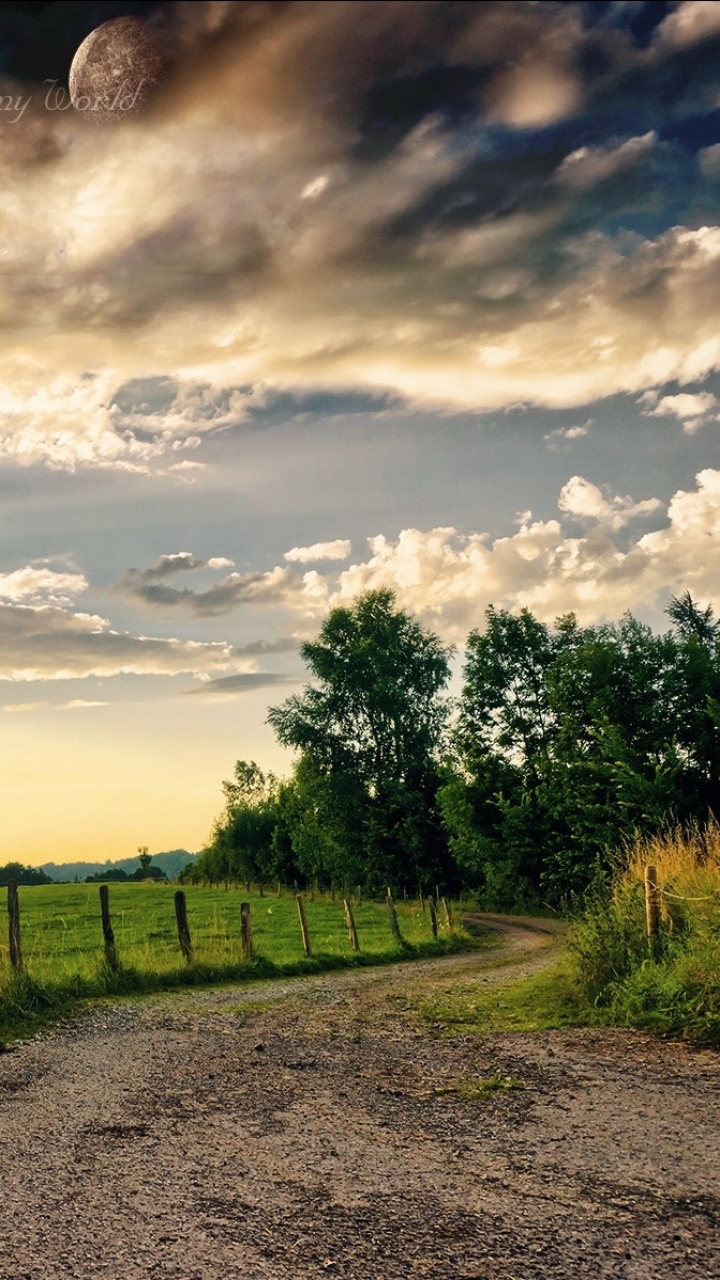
564	742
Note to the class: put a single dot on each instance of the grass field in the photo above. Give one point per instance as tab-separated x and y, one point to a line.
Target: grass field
62	937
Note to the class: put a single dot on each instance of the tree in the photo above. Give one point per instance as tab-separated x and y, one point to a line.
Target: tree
23	875
241	844
567	742
370	731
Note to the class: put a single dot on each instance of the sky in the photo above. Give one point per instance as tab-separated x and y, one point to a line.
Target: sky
359	294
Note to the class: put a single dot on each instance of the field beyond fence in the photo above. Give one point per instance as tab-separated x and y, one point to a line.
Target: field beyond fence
62	936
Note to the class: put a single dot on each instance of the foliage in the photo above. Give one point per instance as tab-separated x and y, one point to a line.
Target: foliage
15	871
568	742
241	845
677	990
369	731
572	739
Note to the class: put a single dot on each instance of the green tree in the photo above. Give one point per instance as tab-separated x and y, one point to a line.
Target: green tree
241	844
369	730
694	705
567	744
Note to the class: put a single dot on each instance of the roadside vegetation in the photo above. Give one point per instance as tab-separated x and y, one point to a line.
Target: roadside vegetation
673	988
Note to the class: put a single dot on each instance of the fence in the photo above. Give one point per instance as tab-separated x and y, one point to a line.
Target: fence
99	929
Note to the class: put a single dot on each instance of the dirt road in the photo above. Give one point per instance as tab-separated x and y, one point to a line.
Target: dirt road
313	1128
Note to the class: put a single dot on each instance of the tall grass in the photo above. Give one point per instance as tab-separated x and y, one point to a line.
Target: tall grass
675	990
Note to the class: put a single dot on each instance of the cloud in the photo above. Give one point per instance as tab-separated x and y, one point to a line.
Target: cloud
246	682
691	22
694	410
168	565
578	497
39	586
78	704
50	643
360	197
587	166
448	578
338	550
564	436
146	587
19	708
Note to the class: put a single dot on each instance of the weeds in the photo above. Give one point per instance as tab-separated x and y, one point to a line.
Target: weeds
479	1088
676	991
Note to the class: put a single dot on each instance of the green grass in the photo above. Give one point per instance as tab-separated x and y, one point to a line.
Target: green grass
676	990
479	1088
64	957
546	1001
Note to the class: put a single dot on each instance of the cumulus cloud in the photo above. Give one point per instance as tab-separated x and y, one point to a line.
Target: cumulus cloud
581	498
449	578
693	410
338	550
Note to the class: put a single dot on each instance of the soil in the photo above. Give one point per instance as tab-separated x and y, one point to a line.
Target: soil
314	1128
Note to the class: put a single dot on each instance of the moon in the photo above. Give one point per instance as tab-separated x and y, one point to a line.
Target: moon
115	71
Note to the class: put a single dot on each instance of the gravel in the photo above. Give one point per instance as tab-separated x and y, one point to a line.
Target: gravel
313	1128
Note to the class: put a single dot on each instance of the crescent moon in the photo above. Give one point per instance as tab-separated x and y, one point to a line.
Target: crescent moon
115	71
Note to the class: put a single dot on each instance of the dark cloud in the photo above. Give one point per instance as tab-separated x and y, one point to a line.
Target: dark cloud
177	562
53	644
244	683
423	201
146	587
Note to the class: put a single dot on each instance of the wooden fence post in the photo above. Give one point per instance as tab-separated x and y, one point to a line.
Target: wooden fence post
111	958
433	916
350	922
13	904
652	908
394	926
448	913
183	928
246	931
303	926
422	900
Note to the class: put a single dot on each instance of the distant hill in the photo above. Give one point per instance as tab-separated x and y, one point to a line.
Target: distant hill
170	862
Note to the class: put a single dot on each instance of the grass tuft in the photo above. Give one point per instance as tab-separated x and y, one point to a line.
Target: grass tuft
479	1088
546	1001
675	991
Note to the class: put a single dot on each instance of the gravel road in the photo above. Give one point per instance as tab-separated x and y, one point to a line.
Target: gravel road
311	1128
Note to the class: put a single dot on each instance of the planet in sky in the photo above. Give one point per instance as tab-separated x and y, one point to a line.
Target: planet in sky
116	71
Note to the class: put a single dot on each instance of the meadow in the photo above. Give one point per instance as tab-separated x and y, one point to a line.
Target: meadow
62	937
